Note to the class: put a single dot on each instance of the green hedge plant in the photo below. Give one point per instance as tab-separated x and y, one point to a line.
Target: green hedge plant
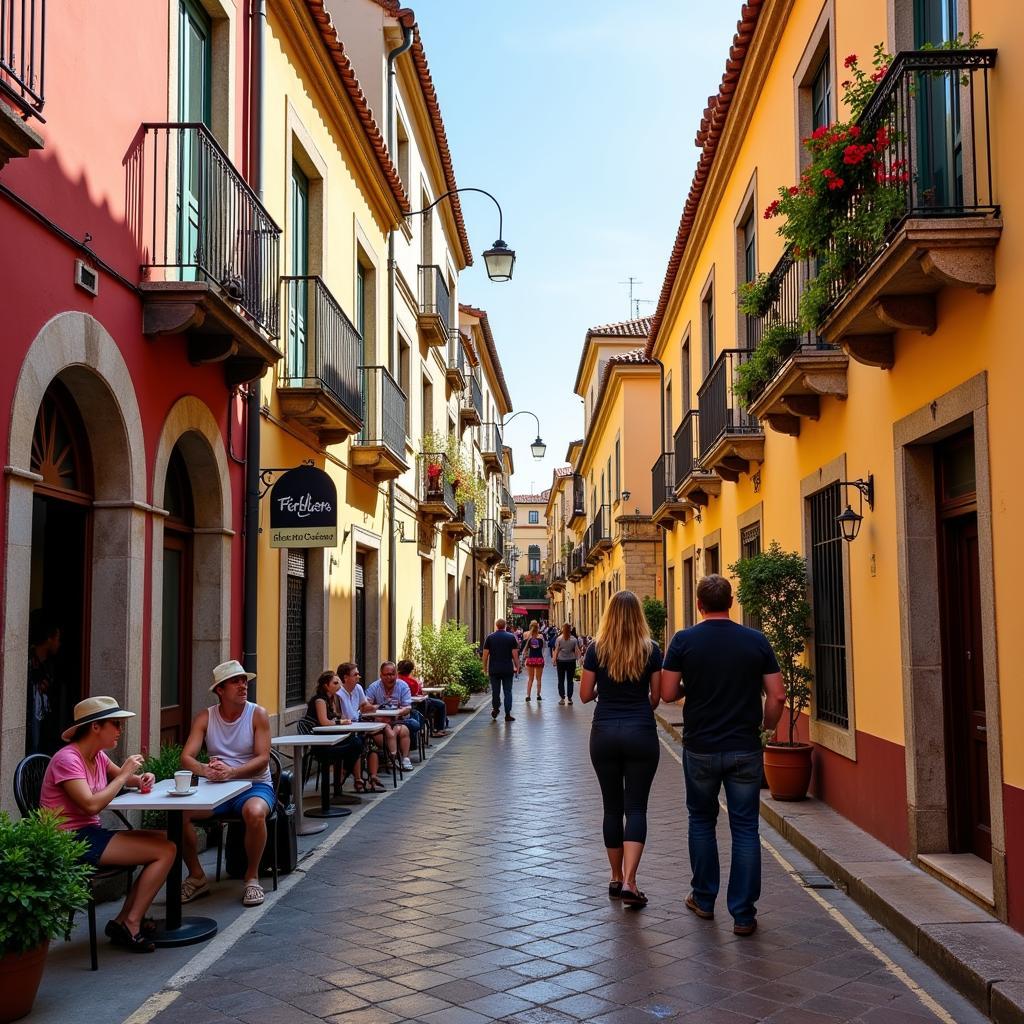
656	616
43	880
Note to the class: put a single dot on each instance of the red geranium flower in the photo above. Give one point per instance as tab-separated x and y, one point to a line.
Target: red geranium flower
850	61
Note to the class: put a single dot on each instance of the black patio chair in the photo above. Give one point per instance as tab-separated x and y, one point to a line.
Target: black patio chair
272	820
28	787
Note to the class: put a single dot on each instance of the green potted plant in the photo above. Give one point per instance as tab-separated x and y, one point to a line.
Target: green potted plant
773	588
43	881
441	653
656	615
456	693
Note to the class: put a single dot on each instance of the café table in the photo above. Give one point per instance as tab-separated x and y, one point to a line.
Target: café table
434	691
298	743
176	930
352	728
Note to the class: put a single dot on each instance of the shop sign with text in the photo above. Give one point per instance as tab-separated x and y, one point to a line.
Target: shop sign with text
304	510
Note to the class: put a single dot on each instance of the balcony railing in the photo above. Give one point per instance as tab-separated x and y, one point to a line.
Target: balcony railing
202	222
579	507
383	403
490	447
685	444
323	347
436	491
456	372
558	572
533	591
490	539
934	105
508	505
434	297
473	399
23	54
663	486
719	411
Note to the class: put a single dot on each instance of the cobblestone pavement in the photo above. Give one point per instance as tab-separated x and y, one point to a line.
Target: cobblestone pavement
478	893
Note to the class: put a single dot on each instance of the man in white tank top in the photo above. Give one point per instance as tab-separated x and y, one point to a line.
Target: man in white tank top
236	734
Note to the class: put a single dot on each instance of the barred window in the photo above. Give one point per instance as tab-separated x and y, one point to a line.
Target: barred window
688	591
828	602
295	629
750	545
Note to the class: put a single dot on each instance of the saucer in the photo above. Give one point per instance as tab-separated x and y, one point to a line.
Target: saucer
188	792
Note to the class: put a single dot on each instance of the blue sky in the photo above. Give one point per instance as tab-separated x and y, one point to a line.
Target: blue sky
580	119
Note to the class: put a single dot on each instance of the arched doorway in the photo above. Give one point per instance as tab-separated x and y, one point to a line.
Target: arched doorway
59	587
176	603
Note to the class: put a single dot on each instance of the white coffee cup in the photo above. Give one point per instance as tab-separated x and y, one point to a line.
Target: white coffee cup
182	781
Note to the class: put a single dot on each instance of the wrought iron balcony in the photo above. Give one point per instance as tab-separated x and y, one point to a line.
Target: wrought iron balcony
935	107
558	574
22	71
435	312
489	545
491	448
806	367
532	591
577	562
455	372
578	511
508	505
599	534
471	411
693	484
436	486
667	508
319	384
210	251
379	448
730	438
463	524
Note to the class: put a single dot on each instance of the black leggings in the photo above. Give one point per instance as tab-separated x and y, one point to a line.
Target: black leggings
566	676
625	758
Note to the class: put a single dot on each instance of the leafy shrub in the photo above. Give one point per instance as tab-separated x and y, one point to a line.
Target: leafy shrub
43	879
473	676
656	616
441	652
457	689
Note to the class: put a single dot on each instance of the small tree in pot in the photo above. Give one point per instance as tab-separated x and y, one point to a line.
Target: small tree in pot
43	881
773	588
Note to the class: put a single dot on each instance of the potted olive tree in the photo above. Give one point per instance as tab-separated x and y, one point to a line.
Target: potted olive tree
773	587
43	881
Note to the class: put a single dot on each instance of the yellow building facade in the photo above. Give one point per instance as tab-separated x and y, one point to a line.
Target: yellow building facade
906	385
615	544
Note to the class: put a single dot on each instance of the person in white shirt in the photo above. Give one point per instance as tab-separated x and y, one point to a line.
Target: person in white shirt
354	703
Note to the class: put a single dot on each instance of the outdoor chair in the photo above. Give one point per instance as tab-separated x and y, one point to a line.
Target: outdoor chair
28	787
272	820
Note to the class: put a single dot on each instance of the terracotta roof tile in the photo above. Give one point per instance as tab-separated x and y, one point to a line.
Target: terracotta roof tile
407	17
709	133
535	499
492	348
623	329
333	45
561	471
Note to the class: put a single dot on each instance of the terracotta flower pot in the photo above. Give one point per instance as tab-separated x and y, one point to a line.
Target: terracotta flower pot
788	770
20	974
452	705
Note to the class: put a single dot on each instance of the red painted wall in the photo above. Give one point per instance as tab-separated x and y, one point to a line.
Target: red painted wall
1013	816
105	76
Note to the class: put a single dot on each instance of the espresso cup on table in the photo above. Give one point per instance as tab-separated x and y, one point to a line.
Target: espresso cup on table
182	781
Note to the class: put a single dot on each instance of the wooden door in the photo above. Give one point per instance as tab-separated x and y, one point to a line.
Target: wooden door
176	639
194	73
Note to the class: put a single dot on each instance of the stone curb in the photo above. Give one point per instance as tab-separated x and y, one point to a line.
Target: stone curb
973	951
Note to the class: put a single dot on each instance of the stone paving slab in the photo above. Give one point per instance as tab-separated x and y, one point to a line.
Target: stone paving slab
478	892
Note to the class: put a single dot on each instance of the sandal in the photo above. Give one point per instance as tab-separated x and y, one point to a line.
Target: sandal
614	890
376	786
120	936
191	889
633	899
358	785
253	894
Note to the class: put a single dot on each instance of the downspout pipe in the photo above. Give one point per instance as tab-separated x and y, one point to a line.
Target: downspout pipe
251	546
393	55
664	531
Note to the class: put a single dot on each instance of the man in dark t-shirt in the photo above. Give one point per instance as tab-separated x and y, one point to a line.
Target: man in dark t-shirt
501	660
723	669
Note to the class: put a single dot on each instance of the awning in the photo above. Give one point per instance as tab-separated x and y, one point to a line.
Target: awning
520	611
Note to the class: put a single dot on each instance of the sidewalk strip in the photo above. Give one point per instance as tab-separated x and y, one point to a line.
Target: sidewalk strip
843	921
226	939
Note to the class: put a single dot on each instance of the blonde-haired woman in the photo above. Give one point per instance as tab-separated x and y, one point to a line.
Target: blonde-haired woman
533	648
622	668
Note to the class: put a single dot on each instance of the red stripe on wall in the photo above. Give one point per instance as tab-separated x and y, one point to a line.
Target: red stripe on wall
1013	817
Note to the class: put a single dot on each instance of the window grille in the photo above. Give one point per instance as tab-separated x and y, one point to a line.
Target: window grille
750	545
295	629
828	602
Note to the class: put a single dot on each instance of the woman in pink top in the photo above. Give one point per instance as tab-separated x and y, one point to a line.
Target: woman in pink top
80	781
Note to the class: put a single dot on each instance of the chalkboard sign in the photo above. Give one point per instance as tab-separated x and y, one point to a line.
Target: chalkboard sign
304	510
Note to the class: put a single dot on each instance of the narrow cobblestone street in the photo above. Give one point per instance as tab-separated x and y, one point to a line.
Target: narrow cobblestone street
477	893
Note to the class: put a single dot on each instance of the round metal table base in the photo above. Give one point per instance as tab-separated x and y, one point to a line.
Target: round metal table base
310	829
331	812
346	798
191	929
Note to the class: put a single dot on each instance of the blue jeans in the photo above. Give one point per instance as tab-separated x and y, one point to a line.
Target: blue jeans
740	773
501	681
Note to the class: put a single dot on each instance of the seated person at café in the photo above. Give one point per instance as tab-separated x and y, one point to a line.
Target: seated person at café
236	734
324	708
390	693
431	705
80	781
353	702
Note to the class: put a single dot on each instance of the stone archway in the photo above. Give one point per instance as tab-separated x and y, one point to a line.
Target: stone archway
76	349
191	426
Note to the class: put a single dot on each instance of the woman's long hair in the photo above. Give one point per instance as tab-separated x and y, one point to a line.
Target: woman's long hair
566	631
623	638
534	628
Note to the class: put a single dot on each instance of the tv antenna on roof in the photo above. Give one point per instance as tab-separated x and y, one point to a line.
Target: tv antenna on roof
631	281
636	306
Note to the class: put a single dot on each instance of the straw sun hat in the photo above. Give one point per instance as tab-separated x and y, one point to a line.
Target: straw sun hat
229	670
94	709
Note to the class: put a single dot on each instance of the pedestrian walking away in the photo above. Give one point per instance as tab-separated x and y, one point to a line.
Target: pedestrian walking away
500	657
723	669
565	653
533	650
622	669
